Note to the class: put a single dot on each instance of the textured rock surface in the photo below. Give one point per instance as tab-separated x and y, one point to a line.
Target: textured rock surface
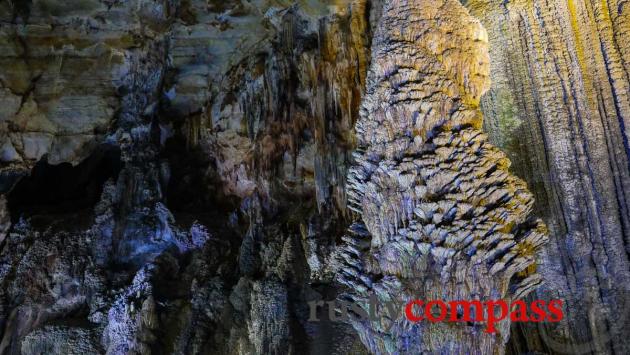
441	216
173	172
559	106
64	66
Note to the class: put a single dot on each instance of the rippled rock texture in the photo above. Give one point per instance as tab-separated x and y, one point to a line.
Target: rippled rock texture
441	216
177	176
559	107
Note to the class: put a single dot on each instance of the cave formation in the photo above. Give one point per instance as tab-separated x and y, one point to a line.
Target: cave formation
184	177
441	216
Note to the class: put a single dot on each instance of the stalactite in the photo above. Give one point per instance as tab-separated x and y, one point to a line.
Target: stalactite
313	82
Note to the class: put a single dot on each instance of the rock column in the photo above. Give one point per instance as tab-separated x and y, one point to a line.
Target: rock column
441	218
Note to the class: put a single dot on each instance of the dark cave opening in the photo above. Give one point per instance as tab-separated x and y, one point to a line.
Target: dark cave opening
194	189
63	188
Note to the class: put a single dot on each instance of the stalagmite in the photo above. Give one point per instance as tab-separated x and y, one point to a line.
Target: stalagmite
441	218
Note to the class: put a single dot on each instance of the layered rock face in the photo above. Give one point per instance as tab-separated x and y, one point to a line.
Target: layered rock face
559	107
64	69
441	216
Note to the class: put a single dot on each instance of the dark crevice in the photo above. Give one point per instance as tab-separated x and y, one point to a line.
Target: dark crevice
21	10
194	186
64	189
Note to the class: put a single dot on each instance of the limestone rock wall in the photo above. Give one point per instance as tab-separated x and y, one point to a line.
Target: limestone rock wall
64	66
166	166
559	107
169	167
